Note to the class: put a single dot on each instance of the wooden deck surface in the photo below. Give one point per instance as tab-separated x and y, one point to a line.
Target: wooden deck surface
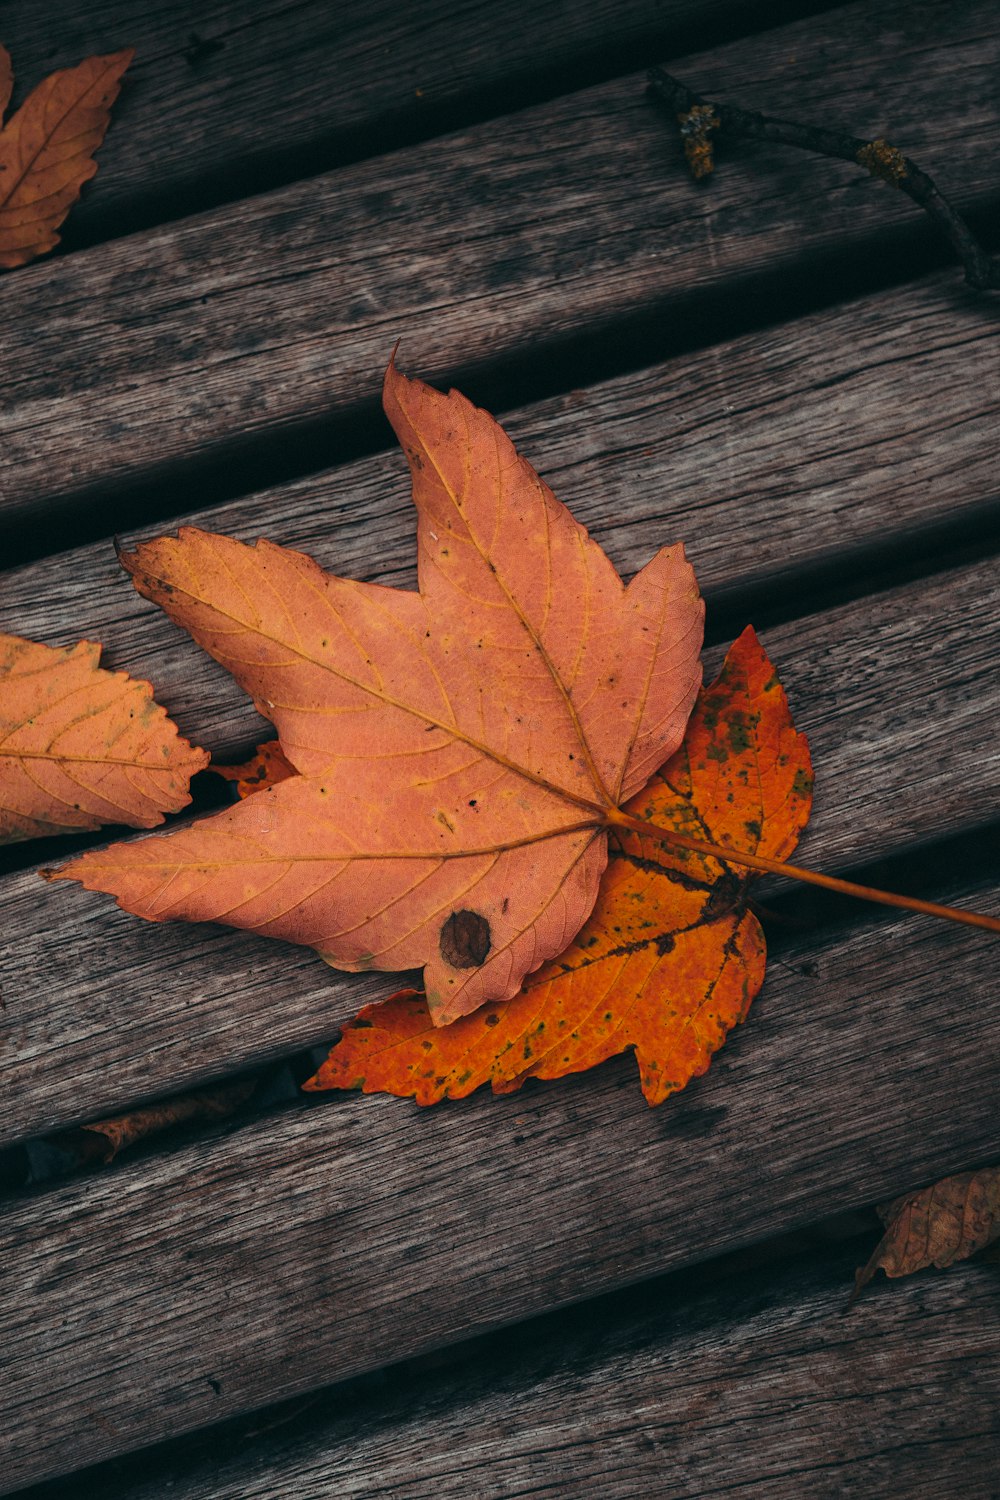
560	1292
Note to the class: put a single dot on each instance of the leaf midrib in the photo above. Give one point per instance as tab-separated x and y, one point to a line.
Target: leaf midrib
454	733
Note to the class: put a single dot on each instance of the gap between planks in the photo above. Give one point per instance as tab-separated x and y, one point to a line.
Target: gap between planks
274	92
309	1247
244	324
676	1387
773	457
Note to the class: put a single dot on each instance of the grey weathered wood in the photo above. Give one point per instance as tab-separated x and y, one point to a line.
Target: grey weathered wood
760	1387
786	450
223	94
893	690
309	1246
242	324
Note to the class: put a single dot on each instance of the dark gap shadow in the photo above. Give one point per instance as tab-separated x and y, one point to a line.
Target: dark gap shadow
712	1301
814	588
409	121
208	793
670	328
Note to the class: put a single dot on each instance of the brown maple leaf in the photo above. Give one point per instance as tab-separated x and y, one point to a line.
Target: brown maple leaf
461	750
936	1226
670	958
47	150
80	746
100	1141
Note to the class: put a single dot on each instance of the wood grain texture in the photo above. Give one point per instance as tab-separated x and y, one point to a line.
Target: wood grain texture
264	86
759	1387
101	1008
314	1244
244	324
783	451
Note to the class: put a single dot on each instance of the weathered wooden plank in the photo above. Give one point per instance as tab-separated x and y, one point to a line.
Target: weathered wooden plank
307	1247
782	452
241	325
100	1008
265	89
758	1387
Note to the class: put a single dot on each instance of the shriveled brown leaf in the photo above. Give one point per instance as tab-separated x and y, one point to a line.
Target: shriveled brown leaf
47	150
99	1142
936	1226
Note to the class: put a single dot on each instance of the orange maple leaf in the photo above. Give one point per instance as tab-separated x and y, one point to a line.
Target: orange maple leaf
46	150
461	749
670	958
935	1226
80	746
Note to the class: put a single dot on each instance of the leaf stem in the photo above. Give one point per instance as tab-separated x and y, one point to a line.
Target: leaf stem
618	819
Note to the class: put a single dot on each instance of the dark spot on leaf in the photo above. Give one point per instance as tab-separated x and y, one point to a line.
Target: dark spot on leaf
665	944
465	940
492	1020
739	734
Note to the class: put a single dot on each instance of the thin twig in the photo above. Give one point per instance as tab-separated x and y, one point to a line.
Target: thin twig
699	120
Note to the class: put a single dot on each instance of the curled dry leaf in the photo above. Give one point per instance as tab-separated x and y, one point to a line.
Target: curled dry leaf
80	746
460	749
101	1141
47	150
671	956
936	1226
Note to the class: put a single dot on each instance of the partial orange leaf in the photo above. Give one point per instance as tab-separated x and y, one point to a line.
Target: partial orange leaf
671	956
47	150
266	767
936	1226
460	749
80	746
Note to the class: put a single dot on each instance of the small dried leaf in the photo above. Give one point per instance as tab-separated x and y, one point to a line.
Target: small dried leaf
80	746
936	1225
102	1140
47	151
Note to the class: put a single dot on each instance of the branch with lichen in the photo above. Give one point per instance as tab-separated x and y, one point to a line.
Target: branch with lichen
700	122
